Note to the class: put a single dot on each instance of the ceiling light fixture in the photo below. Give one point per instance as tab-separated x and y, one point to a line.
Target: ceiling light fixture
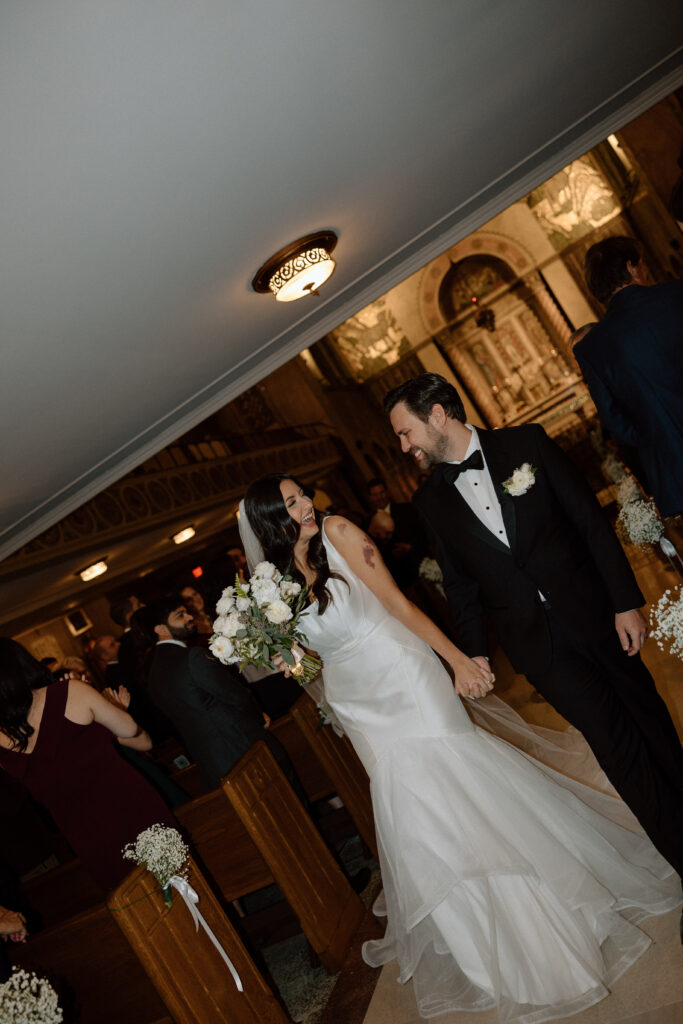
92	571
299	269
183	535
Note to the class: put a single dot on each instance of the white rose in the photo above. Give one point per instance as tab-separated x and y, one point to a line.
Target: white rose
243	604
264	591
278	611
264	571
288	588
223	649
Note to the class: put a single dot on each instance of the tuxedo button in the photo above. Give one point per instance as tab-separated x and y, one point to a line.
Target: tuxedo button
521	565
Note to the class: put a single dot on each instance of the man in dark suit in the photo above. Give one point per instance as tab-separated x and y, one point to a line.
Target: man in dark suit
632	362
407	546
520	537
212	710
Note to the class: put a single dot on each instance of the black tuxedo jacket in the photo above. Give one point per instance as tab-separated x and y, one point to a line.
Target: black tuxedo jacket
632	362
215	714
560	544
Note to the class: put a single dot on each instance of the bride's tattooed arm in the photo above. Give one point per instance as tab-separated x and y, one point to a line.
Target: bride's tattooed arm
365	561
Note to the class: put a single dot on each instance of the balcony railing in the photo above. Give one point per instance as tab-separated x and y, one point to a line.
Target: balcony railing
181	479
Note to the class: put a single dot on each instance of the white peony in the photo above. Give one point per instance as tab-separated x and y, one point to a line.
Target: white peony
226	602
288	588
223	649
243	604
229	624
278	612
264	571
264	591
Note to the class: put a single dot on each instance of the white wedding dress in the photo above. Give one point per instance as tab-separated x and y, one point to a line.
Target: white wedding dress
503	888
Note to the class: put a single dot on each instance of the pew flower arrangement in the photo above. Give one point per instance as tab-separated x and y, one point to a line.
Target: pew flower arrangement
27	999
261	619
639	520
667	618
162	851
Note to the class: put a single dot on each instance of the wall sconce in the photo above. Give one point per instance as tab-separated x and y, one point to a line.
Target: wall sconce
299	269
183	535
91	572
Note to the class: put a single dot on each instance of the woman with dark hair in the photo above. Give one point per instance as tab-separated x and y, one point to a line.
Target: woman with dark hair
504	881
55	738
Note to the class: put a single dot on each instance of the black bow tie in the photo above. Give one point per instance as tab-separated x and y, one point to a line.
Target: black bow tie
450	472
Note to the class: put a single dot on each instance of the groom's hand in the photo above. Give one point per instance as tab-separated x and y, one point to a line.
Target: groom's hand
632	629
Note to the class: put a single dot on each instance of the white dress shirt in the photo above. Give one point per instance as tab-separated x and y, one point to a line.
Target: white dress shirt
476	487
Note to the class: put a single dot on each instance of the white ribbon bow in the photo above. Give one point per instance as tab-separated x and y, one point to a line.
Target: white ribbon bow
191	899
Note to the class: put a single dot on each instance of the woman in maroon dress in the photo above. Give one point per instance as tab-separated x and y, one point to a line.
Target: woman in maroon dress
56	738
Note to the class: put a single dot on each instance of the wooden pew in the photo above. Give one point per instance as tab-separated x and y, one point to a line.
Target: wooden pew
95	973
327	908
62	892
183	965
342	766
310	769
226	851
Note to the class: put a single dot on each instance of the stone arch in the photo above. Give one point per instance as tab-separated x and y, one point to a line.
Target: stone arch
481	243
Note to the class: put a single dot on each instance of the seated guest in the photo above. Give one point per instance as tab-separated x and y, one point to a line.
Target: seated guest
55	738
202	616
211	708
408	546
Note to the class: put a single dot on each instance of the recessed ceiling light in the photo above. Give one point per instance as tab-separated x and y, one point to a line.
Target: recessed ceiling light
94	570
183	535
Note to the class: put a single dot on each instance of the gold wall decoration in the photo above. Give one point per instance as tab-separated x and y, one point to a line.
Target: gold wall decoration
573	203
371	340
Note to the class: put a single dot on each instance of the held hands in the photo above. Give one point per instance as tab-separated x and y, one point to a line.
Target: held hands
12	925
280	663
473	676
632	629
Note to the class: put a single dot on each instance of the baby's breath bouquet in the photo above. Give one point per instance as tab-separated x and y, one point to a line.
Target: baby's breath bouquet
667	618
639	520
27	999
260	619
162	851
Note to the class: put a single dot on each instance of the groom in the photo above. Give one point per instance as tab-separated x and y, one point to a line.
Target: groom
521	539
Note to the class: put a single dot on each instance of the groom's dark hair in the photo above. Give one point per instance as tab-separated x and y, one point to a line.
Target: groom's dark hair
420	394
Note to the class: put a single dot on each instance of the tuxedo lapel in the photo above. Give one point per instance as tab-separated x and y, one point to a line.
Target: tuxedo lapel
449	497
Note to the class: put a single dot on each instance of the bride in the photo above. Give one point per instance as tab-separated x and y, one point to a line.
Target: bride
503	887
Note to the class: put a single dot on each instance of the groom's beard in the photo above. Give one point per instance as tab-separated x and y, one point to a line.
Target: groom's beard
183	632
435	453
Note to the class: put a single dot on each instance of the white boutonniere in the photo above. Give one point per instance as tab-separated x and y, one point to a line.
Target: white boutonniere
520	481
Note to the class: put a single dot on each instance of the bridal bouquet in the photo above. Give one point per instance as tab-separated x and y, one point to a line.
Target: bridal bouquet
262	618
162	851
27	999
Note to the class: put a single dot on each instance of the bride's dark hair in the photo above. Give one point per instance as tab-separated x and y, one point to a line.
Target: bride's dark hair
277	534
20	675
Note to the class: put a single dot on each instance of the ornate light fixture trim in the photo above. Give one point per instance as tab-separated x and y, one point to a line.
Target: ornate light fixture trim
299	269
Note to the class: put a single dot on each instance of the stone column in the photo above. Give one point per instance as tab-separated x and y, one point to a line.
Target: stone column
476	384
547	310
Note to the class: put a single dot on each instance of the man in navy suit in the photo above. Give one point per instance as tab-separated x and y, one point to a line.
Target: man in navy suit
632	362
522	541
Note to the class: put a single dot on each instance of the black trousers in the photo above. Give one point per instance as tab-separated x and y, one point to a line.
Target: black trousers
611	698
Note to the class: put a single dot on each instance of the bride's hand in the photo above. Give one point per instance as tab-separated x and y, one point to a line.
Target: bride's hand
473	677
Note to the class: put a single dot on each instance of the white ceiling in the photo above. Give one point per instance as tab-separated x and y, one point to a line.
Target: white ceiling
154	153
